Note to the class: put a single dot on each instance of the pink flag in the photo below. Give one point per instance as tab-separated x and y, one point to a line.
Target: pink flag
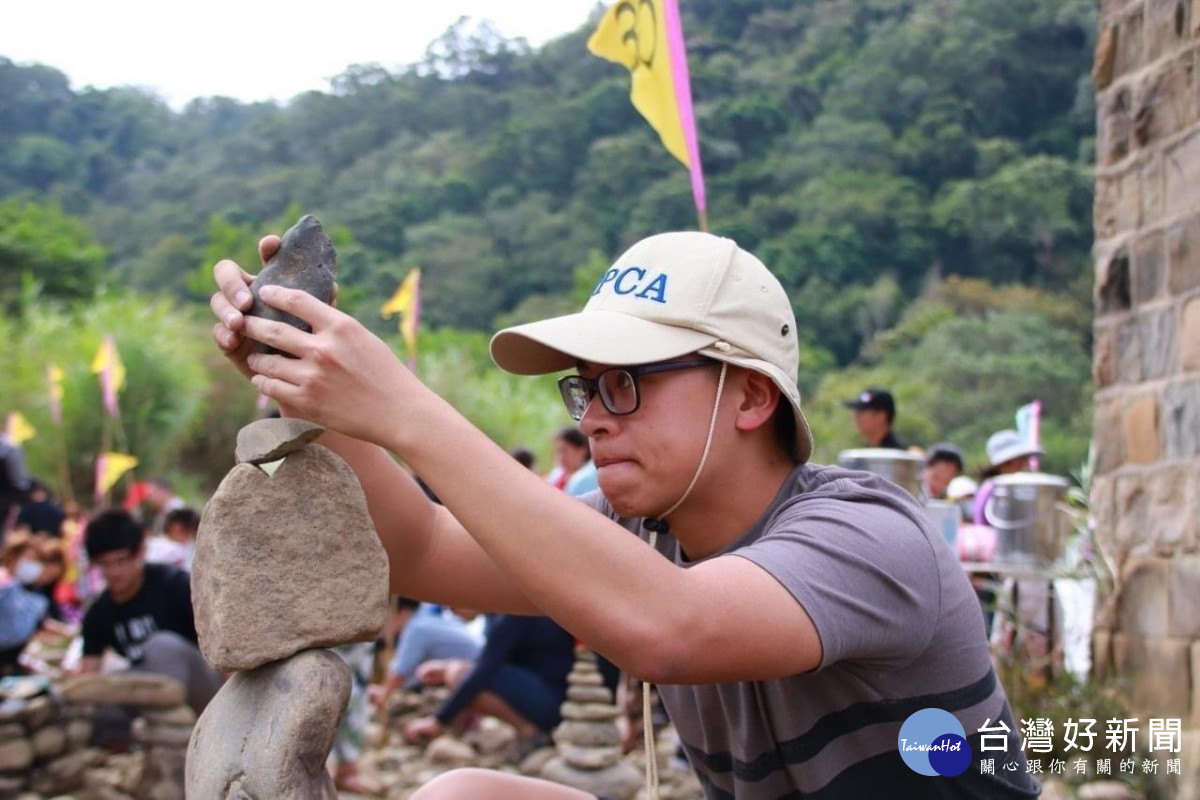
683	98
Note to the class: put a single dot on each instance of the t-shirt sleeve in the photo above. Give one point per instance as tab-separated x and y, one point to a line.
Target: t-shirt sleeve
863	571
97	631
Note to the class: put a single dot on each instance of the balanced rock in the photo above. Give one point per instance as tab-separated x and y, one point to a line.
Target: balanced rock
618	781
140	689
588	734
287	563
268	731
589	694
306	260
271	439
588	741
589	712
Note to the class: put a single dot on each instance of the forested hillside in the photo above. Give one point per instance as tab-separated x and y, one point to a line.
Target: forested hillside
916	172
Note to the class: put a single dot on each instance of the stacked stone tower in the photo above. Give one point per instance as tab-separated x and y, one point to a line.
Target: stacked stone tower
1146	485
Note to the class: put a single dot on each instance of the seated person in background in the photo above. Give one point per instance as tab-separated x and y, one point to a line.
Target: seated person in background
520	678
145	613
576	473
943	463
39	514
22	612
428	636
181	527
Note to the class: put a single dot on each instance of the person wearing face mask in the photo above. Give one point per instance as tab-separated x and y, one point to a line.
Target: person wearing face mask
788	612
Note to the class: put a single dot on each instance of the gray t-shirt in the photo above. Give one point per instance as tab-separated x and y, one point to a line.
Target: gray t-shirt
901	630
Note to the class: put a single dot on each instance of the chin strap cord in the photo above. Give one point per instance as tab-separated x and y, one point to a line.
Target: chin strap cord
657	525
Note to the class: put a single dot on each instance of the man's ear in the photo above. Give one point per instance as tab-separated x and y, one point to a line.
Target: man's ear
760	397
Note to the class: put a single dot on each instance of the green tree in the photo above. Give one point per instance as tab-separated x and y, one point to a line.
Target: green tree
39	242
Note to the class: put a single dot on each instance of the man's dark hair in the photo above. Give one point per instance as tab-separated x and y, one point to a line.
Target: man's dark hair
785	429
406	602
946	453
112	530
574	437
187	517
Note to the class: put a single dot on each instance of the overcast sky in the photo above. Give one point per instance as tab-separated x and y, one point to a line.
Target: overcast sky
250	49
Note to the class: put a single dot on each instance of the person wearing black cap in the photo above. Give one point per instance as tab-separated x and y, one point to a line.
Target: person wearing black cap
874	411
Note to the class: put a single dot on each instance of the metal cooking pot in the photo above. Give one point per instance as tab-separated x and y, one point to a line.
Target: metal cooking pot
1031	520
898	466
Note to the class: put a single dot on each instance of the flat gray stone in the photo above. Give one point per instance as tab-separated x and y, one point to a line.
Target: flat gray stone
589	757
589	712
588	734
15	755
590	694
271	439
621	780
50	741
125	689
286	563
268	731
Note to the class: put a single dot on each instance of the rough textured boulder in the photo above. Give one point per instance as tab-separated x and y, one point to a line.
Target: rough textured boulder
267	733
305	260
271	439
287	563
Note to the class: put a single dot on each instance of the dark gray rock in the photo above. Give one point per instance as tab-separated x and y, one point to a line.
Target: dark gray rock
305	260
267	733
267	440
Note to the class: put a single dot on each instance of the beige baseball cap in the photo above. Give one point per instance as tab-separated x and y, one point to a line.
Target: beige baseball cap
667	296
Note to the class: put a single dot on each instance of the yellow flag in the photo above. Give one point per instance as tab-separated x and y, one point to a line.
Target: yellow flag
107	357
634	33
109	469
407	302
18	428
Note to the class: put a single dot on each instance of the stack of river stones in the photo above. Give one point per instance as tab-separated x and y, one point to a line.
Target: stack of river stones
287	563
588	740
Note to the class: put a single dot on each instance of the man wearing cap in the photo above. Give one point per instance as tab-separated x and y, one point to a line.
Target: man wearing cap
792	615
874	411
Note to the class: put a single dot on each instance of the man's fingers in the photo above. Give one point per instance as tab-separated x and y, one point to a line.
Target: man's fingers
288	369
267	247
234	283
223	310
279	335
276	389
226	339
300	304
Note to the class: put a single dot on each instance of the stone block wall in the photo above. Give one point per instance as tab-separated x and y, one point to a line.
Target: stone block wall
1146	486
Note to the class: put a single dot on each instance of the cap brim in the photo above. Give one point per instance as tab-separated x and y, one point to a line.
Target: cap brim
1016	452
599	337
852	404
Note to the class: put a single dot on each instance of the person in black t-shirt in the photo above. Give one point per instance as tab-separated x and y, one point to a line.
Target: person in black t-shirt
39	513
145	613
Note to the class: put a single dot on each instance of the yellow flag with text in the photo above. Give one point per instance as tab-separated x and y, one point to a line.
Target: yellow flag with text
407	302
634	33
18	428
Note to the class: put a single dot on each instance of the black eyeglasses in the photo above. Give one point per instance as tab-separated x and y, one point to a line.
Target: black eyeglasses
617	387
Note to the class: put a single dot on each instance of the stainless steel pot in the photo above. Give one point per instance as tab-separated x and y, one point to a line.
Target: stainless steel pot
899	467
1031	521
